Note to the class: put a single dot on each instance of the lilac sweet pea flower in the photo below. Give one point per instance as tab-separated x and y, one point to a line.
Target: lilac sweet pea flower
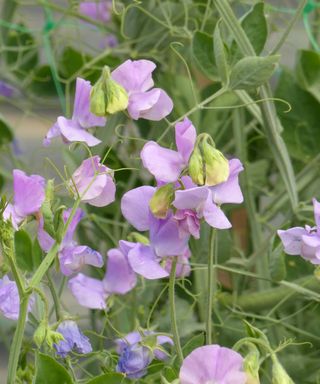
136	357
72	257
212	364
94	182
136	337
75	129
304	241
100	11
28	196
74	339
205	201
9	299
166	164
6	89
144	101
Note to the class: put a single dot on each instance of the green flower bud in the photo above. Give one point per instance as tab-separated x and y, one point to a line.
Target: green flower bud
107	96
279	374
40	333
196	167
136	237
161	201
53	337
252	364
207	165
216	165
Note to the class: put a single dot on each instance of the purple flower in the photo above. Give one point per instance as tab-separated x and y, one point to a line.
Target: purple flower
94	182
212	364
304	241
134	361
9	299
74	339
183	268
189	222
100	11
75	129
72	257
6	89
28	196
166	164
144	101
137	337
205	201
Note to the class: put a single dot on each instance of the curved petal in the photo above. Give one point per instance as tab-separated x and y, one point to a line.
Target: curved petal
157	105
81	108
53	132
214	216
135	75
72	131
141	102
316	209
164	164
119	278
98	11
89	292
78	216
107	195
186	136
192	198
29	193
45	240
291	239
144	262
229	191
135	207
73	258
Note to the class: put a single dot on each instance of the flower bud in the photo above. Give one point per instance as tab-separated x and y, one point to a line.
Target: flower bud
53	337
196	167
161	201
216	165
136	237
107	96
279	374
39	335
252	365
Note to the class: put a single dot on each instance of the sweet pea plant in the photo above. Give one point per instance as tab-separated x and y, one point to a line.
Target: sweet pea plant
161	250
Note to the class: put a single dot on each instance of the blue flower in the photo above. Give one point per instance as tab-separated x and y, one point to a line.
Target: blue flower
74	339
134	361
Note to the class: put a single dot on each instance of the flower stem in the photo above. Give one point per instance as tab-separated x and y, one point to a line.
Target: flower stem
174	327
211	283
17	340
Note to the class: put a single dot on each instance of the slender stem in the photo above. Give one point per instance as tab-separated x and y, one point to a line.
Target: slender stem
55	298
211	286
17	340
174	327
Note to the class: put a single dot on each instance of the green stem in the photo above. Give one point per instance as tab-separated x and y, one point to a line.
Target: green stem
17	341
55	298
211	286
174	327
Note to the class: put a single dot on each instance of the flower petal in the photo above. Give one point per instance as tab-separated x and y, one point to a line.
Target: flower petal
144	262
135	207
291	239
119	278
164	164
186	136
214	216
72	131
154	105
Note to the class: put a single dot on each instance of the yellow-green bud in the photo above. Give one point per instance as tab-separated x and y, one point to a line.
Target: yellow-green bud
107	96
196	167
161	201
40	334
136	237
53	337
252	365
279	374
216	165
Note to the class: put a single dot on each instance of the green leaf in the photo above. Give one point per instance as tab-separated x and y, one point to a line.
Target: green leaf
49	371
301	124
6	134
220	56
308	72
37	253
202	51
109	378
23	250
251	72
195	342
42	82
255	26
277	264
